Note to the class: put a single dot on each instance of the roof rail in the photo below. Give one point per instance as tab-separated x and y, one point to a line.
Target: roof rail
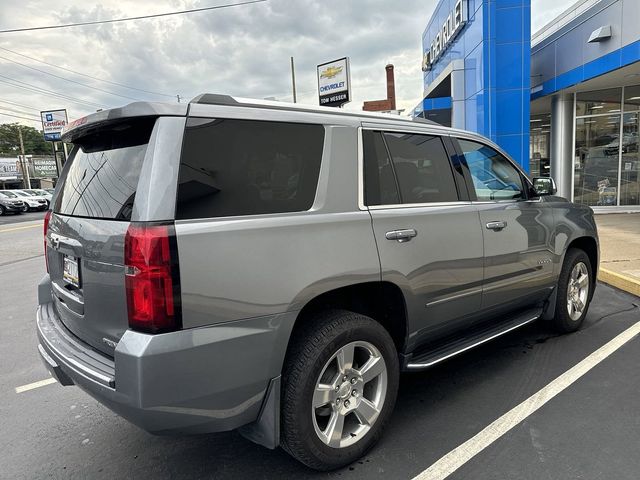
228	100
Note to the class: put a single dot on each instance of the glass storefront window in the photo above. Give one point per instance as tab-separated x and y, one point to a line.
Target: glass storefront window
539	139
630	166
596	161
598	102
632	98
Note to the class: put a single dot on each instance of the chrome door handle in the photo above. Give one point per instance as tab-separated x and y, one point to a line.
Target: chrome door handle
401	235
496	225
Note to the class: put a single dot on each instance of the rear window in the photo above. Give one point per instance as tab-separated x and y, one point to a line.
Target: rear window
247	167
105	168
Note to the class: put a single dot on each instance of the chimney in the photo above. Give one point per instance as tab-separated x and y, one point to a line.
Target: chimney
391	87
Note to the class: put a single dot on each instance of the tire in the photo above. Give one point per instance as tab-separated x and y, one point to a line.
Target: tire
25	209
575	261
311	354
2	210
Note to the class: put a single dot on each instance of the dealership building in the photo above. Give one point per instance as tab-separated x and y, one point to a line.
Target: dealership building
564	101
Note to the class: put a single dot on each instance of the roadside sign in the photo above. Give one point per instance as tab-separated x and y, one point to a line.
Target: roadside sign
8	168
44	168
334	83
53	121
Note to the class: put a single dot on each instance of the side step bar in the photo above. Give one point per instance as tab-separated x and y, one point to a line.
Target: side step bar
458	346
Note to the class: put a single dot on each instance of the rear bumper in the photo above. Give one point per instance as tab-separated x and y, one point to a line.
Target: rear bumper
194	381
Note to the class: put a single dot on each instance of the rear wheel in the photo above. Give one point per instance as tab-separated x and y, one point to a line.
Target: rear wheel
575	287
340	384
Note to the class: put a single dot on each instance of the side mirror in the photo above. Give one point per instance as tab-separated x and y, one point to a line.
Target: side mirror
544	186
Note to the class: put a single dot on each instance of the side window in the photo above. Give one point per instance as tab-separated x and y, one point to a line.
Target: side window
422	167
379	181
493	176
247	167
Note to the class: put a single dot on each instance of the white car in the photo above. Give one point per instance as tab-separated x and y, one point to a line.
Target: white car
32	202
40	193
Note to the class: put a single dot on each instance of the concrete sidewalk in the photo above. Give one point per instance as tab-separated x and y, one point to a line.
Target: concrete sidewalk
620	250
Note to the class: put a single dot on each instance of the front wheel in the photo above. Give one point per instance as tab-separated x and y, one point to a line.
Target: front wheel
575	287
2	210
340	384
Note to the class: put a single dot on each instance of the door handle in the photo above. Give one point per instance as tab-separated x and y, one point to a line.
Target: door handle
496	225
401	235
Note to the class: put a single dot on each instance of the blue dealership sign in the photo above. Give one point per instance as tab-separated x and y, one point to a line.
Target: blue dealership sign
478	54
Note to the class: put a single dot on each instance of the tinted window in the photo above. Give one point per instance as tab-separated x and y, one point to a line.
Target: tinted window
379	181
493	176
105	167
422	168
246	167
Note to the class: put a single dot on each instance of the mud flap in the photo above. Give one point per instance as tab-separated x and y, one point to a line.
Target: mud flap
265	430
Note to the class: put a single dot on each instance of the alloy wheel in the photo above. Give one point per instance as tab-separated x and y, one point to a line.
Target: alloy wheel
577	291
349	394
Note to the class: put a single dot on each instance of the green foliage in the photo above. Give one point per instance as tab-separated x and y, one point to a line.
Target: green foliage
34	143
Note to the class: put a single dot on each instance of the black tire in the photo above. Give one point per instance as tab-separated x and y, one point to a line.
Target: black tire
562	321
2	210
25	209
309	352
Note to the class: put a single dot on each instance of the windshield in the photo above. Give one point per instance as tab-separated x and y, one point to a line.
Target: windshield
9	194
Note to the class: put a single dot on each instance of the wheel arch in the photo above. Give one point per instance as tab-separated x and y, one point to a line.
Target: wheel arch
379	300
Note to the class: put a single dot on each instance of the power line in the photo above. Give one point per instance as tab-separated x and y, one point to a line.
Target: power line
114	20
85	75
67	79
18	116
37	89
21	105
15	111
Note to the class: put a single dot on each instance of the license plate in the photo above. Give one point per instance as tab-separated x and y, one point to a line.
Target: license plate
71	272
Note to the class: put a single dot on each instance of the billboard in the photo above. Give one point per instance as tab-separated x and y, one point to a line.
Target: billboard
53	121
334	83
8	168
44	168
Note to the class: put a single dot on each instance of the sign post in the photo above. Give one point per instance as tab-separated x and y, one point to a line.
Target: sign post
334	83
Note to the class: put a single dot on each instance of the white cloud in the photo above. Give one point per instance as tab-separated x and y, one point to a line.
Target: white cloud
241	51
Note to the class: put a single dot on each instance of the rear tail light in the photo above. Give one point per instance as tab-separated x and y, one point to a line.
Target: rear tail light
152	278
47	217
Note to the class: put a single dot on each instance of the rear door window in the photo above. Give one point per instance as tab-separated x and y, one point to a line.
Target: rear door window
105	168
247	167
406	168
380	187
422	167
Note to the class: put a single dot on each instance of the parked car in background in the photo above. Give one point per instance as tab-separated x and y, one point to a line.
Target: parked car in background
36	192
272	267
10	203
31	202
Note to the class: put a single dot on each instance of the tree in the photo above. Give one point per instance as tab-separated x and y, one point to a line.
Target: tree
33	140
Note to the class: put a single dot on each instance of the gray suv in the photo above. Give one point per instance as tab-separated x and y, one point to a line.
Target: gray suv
273	268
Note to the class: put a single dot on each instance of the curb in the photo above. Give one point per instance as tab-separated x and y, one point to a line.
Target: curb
618	280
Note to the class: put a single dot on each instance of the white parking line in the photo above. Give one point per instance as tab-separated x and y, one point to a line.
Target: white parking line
456	458
31	386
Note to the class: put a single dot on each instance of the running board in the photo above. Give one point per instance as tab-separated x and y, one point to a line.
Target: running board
444	352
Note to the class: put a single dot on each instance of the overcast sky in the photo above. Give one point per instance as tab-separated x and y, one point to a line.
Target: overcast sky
241	51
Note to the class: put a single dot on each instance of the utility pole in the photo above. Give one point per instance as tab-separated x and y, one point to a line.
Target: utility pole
293	81
23	162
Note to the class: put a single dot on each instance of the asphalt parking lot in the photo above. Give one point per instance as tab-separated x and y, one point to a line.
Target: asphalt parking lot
590	430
